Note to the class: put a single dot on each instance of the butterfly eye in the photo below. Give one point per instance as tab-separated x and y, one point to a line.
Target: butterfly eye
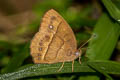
77	53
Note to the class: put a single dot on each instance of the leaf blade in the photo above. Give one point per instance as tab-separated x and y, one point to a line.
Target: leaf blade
107	34
45	69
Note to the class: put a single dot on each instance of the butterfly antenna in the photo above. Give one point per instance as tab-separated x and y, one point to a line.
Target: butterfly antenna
86	42
81	50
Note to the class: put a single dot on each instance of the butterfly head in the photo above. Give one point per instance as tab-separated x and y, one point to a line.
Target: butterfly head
78	53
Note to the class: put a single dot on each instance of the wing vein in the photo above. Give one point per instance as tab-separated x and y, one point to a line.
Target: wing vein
52	39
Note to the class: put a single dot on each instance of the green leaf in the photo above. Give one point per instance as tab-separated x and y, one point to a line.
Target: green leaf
101	71
101	46
101	67
110	67
45	69
113	8
106	36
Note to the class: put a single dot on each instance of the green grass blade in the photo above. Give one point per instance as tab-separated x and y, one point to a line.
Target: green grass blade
107	34
45	69
101	71
101	67
113	8
101	46
110	67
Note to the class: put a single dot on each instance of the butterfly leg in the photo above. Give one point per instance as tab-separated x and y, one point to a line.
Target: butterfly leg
80	49
72	65
61	67
80	56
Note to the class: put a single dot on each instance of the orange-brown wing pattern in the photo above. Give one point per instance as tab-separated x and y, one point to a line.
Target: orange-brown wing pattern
54	42
40	43
70	45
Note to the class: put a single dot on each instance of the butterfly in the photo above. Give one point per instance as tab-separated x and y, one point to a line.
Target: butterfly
55	41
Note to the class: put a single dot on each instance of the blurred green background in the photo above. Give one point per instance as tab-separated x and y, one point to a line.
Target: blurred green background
20	20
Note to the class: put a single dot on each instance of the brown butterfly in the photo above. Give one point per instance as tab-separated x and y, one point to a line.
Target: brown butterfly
55	41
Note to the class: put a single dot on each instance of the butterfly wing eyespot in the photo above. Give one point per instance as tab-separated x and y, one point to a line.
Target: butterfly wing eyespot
47	37
69	53
50	21
51	27
53	18
40	49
